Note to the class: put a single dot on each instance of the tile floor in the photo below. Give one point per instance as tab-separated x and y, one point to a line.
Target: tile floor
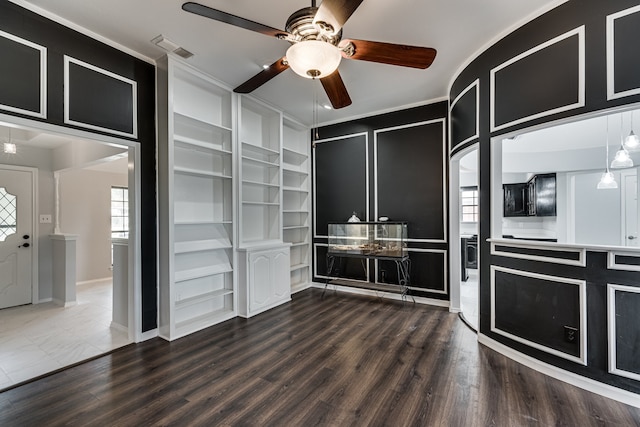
36	339
469	298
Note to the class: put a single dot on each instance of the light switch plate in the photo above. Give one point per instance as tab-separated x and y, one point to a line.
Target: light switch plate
45	219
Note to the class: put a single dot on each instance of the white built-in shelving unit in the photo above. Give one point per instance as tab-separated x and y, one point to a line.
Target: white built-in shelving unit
260	193
196	116
296	200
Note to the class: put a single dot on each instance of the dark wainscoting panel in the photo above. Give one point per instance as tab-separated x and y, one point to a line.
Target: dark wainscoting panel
340	183
99	100
428	272
626	60
410	178
464	115
537	310
548	79
20	85
627	338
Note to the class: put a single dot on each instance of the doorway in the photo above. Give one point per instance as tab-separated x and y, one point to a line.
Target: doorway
464	207
45	335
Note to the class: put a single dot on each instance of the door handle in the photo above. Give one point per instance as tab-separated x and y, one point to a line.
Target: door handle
631	237
24	245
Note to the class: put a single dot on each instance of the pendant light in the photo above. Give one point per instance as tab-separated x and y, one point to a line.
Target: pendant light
622	159
632	141
607	180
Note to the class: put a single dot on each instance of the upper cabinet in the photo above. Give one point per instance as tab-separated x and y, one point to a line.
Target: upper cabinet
195	194
536	197
260	178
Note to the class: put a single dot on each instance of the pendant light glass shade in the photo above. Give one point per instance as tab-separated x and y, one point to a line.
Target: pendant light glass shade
622	159
607	180
632	141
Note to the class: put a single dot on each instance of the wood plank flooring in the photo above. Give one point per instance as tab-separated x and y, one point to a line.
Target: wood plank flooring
341	360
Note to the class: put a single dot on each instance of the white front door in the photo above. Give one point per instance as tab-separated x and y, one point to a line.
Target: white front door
16	237
630	194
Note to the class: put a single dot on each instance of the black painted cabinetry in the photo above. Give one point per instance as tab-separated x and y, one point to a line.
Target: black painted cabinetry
537	197
516	198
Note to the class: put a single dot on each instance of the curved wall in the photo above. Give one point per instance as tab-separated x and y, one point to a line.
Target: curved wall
576	58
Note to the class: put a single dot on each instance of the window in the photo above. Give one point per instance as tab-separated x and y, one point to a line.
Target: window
469	204
119	212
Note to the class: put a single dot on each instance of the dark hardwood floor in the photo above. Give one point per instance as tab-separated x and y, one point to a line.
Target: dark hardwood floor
341	360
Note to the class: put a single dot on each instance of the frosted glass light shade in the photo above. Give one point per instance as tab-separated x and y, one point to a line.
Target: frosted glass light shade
632	142
607	181
313	58
622	159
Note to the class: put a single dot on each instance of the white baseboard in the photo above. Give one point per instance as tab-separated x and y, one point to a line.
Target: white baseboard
300	287
148	335
119	327
64	304
42	301
94	281
381	294
606	390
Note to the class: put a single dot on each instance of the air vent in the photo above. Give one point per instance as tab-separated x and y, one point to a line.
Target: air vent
170	46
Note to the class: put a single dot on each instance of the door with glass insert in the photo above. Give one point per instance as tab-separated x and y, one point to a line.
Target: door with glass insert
16	242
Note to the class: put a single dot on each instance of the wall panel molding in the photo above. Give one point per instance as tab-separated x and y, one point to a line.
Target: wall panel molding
632	87
22	82
472	89
125	104
623	340
579	76
581	358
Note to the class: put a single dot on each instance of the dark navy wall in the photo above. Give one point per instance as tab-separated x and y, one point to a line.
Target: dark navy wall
20	89
536	79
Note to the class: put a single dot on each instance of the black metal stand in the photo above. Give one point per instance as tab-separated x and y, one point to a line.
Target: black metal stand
403	267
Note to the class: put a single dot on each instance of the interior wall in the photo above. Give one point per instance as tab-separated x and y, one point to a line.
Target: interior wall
85	210
39	158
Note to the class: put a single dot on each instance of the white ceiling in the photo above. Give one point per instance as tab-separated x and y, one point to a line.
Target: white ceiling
457	29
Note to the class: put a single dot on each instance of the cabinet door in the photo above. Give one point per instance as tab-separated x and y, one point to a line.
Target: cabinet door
545	190
280	274
515	199
259	281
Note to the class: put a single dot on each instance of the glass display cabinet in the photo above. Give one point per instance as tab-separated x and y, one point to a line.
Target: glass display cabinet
370	240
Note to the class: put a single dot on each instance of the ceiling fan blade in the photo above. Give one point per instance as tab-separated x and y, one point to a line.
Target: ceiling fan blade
336	90
263	76
228	18
332	14
389	53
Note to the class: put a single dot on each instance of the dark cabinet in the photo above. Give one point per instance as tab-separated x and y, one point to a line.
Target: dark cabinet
515	199
542	195
537	197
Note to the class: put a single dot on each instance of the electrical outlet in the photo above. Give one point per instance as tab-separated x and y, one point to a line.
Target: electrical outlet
570	334
45	219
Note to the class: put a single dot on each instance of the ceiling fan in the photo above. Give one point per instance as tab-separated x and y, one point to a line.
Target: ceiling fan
315	34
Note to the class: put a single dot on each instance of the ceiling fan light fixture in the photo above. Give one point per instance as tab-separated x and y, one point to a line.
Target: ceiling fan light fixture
313	59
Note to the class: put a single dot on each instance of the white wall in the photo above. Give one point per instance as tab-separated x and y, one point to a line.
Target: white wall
39	158
85	210
597	212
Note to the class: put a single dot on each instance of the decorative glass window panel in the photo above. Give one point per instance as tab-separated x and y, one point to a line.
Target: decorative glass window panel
119	212
469	204
8	214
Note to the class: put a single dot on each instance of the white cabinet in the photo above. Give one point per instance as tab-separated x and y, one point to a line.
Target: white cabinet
263	279
296	200
196	200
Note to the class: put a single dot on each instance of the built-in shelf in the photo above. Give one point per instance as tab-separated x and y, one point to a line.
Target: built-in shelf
295	211
249	202
195	198
201	245
196	273
197	172
294	227
260	184
260	162
291	170
294	189
299	266
259	150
